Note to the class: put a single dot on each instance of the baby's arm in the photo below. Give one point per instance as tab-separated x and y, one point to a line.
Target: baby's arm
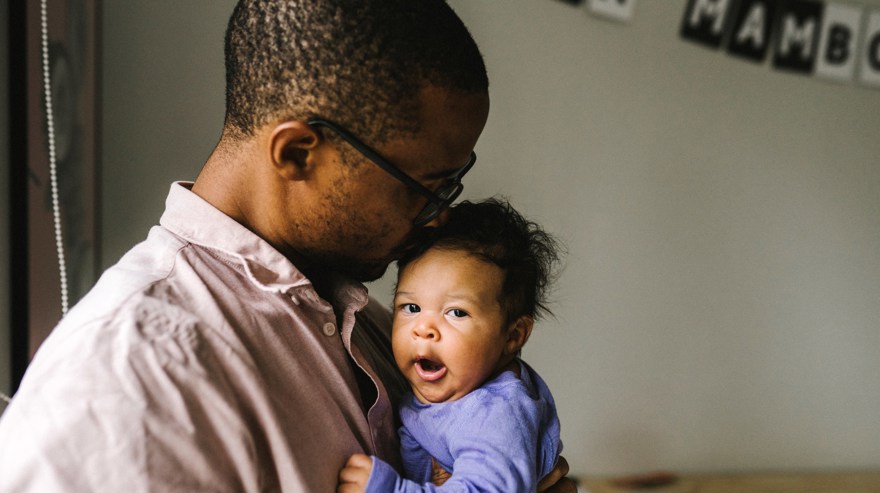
362	471
355	476
363	474
484	462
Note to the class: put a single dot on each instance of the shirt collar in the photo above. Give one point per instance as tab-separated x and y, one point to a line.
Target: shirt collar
198	222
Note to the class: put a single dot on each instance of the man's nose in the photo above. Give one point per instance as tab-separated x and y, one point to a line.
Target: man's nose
438	221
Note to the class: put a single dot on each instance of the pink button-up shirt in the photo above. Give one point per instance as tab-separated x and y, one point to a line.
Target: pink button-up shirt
202	361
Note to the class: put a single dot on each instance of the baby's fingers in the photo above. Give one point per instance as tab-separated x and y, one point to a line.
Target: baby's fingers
354	476
359	461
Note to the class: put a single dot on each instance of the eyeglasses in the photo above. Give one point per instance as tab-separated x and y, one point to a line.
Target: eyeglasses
437	201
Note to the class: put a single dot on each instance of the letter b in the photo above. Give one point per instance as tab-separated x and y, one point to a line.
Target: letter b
837	49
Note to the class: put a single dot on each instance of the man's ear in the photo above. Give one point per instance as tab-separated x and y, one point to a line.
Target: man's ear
518	334
291	146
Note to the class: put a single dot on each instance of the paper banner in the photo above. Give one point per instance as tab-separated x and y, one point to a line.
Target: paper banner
619	10
870	67
797	36
751	29
706	21
838	46
810	37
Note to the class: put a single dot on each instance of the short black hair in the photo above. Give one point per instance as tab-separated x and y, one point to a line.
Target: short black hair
493	231
360	64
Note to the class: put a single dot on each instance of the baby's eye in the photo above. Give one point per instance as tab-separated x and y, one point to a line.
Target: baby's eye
410	308
458	313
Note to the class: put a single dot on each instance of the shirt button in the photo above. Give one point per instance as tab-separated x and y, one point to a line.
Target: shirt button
329	329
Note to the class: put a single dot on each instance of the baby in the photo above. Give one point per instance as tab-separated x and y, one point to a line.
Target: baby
464	306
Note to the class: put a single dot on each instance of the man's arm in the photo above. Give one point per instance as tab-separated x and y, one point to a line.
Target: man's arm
554	482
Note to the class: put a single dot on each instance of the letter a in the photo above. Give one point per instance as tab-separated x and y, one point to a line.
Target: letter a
751	29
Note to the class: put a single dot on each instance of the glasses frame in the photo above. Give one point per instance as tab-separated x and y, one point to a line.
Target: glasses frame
437	201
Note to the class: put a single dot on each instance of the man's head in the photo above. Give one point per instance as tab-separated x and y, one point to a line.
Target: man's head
403	76
360	64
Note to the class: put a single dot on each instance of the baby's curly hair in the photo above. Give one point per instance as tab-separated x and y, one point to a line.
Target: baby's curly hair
495	232
360	64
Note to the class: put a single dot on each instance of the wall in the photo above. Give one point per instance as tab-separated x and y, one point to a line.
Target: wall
4	195
163	107
720	306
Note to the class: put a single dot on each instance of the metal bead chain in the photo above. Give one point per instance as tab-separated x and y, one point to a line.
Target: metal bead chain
53	167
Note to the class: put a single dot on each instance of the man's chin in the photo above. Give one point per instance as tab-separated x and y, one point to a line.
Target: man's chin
370	274
365	271
327	267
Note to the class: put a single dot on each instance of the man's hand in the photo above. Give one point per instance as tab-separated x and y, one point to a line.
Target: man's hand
438	474
354	476
555	481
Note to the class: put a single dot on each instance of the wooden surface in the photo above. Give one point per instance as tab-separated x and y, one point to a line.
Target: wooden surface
862	482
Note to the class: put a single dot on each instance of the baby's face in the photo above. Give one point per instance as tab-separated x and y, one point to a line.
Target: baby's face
449	335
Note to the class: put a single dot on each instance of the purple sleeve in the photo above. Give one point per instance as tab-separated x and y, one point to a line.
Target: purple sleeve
496	447
494	440
416	460
384	479
500	438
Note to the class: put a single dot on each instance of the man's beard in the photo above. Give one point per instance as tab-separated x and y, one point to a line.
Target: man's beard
319	263
318	266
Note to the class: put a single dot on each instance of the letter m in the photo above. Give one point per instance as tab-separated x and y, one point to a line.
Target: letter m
798	36
705	21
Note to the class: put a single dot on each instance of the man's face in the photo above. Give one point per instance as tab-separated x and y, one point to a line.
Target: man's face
363	219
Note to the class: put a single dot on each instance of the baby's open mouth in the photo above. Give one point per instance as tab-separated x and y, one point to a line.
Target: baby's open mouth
429	370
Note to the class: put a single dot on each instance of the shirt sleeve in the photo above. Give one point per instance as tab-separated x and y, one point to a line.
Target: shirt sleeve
156	416
496	446
384	479
416	460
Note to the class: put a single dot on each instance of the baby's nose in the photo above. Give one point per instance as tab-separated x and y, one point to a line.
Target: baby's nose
426	330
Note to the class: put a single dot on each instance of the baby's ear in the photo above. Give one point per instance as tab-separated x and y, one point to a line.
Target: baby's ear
518	334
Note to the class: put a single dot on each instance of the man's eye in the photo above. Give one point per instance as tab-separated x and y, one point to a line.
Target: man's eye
410	308
457	313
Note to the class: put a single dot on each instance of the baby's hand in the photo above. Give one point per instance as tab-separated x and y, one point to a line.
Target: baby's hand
354	476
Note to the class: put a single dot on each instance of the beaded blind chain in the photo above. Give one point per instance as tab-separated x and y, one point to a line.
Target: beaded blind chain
53	164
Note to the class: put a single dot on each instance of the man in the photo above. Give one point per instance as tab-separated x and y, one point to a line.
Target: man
222	353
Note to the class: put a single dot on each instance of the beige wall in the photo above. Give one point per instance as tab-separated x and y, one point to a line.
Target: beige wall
720	306
163	107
